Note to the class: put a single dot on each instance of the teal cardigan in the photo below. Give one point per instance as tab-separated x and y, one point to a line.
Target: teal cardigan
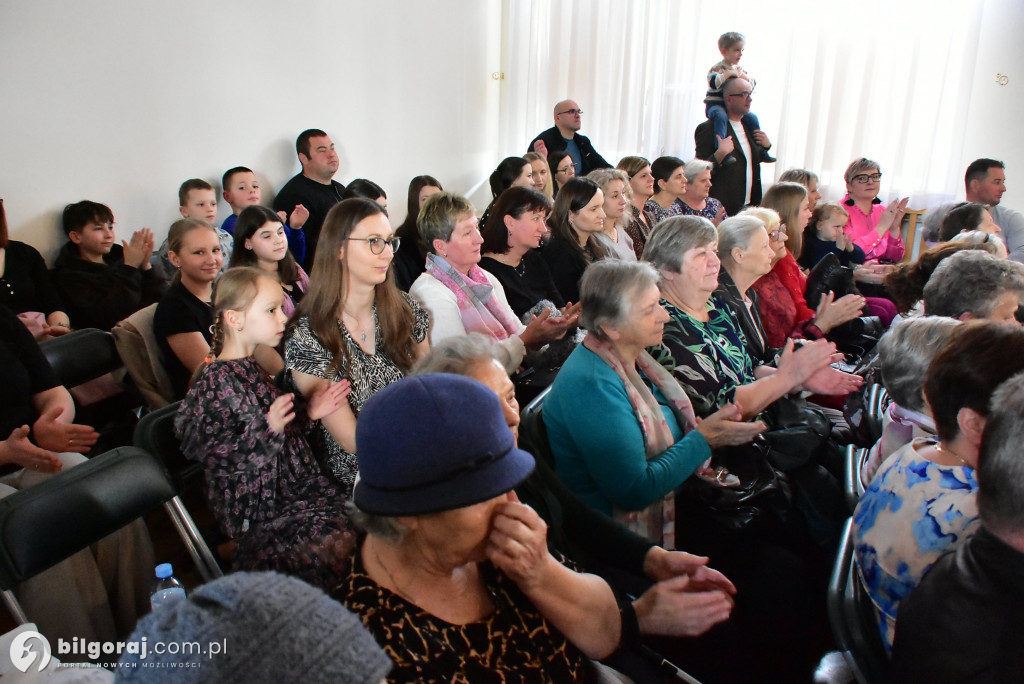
598	443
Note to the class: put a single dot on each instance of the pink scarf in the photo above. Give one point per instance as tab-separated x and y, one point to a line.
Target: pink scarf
657	521
480	310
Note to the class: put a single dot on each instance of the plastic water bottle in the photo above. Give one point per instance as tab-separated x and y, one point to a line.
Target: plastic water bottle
167	589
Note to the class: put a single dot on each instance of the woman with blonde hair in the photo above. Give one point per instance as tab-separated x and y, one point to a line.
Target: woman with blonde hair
541	173
353	324
615	186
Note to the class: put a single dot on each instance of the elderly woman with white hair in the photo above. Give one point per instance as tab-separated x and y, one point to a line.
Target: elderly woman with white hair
703	345
698	185
617	215
974	284
904	353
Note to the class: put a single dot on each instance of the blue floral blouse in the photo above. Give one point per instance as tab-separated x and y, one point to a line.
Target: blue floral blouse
912	512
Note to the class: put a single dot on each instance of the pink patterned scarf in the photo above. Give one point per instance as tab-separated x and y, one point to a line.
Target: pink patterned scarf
480	310
657	521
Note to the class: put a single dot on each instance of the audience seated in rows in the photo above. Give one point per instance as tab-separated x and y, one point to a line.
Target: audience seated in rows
564	136
260	241
562	168
669	185
905	284
541	173
825	235
975	592
100	281
921	501
964	217
242	190
463	298
985	183
353	324
973	284
695	198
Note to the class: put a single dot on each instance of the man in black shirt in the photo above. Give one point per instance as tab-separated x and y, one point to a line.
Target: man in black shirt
564	135
314	188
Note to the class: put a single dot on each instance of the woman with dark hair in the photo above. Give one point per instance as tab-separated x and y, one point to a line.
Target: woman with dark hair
353	324
562	171
967	216
575	221
410	262
511	172
511	236
26	288
361	187
923	500
641	185
669	186
260	241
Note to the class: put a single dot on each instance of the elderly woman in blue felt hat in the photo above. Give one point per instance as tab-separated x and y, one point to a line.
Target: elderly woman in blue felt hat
454	577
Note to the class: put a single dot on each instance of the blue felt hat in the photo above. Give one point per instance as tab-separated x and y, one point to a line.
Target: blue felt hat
434	443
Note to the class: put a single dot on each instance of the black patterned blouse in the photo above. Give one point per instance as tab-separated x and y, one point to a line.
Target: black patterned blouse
266	490
513	644
368	373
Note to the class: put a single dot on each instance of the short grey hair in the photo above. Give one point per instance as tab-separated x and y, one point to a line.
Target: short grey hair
859	166
609	289
904	353
386	527
980	239
438	216
737	231
1000	467
460	355
970	282
694	168
674	237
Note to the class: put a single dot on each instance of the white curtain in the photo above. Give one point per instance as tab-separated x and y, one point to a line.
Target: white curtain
835	81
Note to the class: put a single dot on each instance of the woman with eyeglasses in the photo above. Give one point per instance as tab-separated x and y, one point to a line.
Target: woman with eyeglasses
874	228
354	324
462	297
563	169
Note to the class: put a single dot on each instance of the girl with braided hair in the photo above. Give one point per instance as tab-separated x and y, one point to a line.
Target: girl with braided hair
263	483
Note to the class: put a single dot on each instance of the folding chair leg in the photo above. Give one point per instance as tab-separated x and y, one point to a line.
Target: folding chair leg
206	564
14	608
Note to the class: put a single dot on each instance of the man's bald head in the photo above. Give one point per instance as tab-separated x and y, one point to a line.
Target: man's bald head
737	92
568	117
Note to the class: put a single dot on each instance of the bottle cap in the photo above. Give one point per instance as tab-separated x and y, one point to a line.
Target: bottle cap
164	570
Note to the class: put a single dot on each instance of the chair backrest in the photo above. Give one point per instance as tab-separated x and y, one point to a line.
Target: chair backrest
140	353
852	619
533	435
914	239
81	356
47	522
155	434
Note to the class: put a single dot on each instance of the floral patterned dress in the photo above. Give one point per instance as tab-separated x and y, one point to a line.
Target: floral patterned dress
709	359
515	643
266	490
368	373
912	512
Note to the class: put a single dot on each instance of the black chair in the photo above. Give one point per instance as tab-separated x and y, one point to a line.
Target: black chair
155	434
852	617
49	521
533	436
82	355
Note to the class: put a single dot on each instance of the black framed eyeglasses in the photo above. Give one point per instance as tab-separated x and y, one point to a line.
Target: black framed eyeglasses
574	112
865	178
377	243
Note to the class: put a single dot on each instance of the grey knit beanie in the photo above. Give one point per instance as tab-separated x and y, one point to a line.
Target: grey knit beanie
268	627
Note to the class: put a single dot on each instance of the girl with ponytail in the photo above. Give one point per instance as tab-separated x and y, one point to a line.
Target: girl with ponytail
263	483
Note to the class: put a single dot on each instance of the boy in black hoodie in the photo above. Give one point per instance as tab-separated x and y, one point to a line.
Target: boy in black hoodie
100	281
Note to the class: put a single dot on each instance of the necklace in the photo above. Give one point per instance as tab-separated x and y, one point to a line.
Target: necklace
359	327
947	450
394	583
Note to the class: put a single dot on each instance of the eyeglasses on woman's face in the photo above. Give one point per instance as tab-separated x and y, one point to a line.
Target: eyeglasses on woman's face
778	234
865	178
377	243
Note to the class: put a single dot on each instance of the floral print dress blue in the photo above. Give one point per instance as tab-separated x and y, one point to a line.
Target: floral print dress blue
912	512
266	490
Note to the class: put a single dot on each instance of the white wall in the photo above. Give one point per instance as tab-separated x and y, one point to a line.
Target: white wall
119	101
995	127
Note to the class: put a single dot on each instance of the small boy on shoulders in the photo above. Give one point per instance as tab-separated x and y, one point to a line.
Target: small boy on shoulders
101	282
731	46
197	199
242	189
